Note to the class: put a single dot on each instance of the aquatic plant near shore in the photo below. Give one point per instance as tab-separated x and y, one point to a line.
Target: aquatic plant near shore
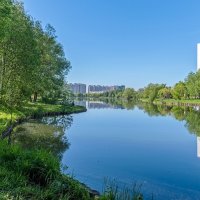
112	191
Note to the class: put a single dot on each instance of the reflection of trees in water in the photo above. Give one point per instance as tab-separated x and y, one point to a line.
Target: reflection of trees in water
102	102
129	105
119	103
64	121
155	110
193	122
48	134
179	113
187	114
149	109
190	116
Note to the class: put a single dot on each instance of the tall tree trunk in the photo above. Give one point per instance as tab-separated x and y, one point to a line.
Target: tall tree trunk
35	95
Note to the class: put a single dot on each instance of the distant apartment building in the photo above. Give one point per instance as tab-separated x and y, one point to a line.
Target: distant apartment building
78	88
102	89
119	87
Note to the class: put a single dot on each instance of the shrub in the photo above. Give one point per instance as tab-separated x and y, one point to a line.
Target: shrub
35	174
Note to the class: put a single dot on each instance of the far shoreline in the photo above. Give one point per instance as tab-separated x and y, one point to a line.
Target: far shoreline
174	102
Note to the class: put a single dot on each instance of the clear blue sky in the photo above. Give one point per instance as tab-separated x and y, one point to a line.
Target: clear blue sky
131	42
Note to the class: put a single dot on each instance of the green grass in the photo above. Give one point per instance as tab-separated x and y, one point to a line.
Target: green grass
189	101
31	173
35	110
41	108
175	101
35	174
112	191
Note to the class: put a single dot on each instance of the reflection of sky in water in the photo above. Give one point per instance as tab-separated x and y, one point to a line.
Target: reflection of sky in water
129	145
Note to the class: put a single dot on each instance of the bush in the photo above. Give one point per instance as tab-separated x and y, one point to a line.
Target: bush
35	174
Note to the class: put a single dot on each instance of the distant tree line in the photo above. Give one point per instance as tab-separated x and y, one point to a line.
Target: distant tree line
32	62
187	89
128	94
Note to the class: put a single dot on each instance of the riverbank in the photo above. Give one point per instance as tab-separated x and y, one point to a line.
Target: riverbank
37	173
174	102
9	119
33	173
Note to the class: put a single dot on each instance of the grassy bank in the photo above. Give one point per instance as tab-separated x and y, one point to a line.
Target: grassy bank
7	116
32	173
171	102
35	174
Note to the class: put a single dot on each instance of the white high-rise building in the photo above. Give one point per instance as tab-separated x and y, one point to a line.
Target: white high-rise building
198	147
198	56
78	88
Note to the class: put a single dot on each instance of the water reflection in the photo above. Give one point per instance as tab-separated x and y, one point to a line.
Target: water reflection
64	121
191	115
105	103
102	105
115	143
80	102
48	133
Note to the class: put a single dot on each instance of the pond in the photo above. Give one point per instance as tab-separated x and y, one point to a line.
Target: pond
155	147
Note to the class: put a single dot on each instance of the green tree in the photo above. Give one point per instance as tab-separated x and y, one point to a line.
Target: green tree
165	93
179	91
151	91
129	94
32	62
17	52
193	85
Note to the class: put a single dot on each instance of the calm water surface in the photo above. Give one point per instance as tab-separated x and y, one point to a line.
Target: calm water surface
154	146
130	145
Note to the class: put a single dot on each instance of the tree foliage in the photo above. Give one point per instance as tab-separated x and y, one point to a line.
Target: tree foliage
193	85
151	91
188	89
32	62
179	91
165	93
129	94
